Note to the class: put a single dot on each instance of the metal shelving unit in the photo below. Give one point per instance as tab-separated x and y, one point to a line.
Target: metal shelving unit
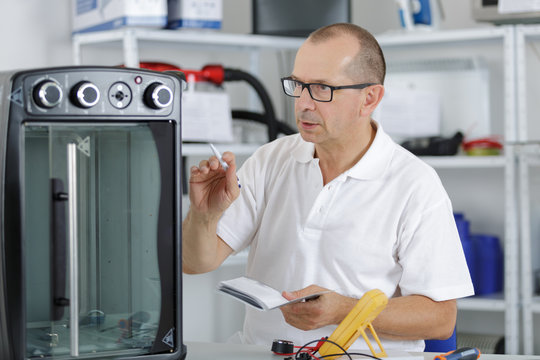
131	38
529	156
503	38
528	41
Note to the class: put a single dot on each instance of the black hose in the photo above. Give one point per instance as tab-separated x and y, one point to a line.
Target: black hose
282	127
239	75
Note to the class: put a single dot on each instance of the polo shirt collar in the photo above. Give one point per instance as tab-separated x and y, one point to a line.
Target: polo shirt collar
371	166
304	152
376	160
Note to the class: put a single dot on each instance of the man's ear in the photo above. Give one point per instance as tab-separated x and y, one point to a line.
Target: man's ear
373	98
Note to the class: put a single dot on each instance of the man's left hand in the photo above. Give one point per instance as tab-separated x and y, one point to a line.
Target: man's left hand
328	309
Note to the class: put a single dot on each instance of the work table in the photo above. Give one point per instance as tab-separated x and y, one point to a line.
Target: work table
226	351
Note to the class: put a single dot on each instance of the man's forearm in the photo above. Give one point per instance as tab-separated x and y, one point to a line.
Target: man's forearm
416	317
413	317
202	249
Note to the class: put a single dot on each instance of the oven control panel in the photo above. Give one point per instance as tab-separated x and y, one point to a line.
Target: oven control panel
100	92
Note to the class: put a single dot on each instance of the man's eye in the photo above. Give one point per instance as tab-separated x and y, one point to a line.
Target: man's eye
321	87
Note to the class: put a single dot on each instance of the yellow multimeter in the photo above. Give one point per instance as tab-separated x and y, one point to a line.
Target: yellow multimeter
354	324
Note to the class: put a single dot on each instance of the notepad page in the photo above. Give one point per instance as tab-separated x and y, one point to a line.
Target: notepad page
266	295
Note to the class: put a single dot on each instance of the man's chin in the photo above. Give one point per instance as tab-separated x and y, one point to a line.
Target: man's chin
306	136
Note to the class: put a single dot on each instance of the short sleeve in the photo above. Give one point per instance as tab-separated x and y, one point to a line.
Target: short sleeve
239	223
431	255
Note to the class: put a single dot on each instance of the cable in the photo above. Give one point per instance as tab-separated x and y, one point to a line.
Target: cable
236	75
351	353
282	127
331	342
310	351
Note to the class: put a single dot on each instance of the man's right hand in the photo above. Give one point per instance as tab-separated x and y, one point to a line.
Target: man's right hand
212	189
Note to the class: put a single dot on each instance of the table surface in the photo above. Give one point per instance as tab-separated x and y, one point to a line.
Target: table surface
223	351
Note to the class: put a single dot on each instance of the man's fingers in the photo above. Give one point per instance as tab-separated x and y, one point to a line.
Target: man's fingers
291	295
194	170
213	163
288	295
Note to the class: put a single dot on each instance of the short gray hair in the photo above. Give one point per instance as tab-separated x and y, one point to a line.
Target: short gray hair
369	63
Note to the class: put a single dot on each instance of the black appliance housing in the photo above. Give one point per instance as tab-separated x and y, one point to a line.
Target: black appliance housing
90	202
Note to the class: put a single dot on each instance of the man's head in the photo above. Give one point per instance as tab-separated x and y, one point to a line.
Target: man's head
368	64
345	60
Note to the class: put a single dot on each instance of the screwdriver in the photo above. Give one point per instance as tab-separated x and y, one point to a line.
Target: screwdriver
218	155
466	353
221	161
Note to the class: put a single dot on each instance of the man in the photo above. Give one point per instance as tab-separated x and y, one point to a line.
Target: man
338	206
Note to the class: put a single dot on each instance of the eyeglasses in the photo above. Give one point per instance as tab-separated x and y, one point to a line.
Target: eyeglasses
318	92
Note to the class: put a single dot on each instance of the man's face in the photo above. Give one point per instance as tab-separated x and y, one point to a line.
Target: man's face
328	123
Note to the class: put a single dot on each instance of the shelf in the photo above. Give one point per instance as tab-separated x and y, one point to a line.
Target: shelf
191	37
444	36
204	149
250	41
453	162
483	303
529	30
442	162
218	41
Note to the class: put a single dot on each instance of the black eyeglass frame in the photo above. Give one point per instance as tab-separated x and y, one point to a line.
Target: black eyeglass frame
332	88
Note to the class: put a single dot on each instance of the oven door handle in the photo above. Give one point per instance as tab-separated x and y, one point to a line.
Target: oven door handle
73	248
58	249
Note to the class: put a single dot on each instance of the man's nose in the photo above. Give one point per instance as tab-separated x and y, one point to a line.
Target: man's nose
305	100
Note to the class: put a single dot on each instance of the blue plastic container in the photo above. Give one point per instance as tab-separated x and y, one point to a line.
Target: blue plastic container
488	264
463	226
470	257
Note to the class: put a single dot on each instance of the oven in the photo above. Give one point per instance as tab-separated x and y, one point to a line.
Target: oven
90	257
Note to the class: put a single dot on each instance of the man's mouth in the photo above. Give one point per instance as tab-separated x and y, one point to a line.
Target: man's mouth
307	125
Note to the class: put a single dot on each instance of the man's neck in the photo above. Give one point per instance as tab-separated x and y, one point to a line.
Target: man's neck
336	160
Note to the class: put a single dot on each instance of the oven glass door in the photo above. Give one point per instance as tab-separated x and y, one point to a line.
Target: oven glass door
95	208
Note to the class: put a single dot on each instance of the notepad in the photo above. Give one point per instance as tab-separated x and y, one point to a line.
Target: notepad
259	295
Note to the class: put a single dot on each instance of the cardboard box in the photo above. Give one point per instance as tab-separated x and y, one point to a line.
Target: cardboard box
97	15
195	14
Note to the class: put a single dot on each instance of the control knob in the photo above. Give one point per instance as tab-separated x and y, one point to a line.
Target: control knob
48	94
158	96
85	94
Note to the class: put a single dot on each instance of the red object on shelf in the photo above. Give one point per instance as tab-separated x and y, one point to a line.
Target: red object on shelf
209	73
482	143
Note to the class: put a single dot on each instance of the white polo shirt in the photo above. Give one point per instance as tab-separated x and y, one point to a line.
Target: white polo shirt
385	224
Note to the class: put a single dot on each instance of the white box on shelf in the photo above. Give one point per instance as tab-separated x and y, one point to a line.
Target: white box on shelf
436	97
206	116
195	14
410	113
98	15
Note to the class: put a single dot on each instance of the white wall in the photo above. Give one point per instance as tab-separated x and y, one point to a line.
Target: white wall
34	33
